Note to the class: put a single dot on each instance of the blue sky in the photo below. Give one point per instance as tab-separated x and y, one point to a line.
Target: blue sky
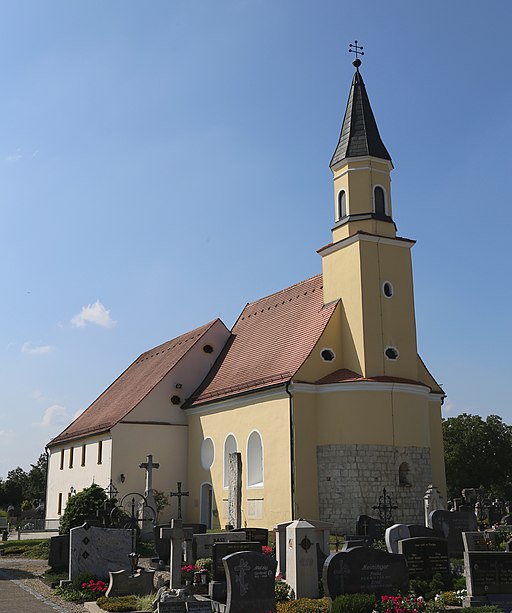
162	163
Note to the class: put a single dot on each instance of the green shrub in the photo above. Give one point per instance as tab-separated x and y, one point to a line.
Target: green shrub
82	506
354	603
304	605
117	603
282	591
459	583
68	593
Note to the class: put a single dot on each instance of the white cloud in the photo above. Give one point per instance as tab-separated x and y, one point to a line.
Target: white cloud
37	395
94	313
28	347
6	434
16	156
54	415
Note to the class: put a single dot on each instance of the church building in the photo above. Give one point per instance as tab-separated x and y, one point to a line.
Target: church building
319	386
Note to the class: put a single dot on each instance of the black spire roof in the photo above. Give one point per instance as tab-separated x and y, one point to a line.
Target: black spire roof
359	133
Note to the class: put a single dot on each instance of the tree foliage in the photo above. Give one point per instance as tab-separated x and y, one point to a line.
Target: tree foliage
81	507
20	486
477	454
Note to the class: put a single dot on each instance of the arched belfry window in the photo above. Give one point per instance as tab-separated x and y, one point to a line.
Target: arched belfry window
230	446
342	204
379	198
254	460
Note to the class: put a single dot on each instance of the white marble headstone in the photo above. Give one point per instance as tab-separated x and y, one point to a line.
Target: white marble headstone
396	533
98	550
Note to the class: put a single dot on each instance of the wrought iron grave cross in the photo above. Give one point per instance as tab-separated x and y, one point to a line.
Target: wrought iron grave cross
179	494
385	509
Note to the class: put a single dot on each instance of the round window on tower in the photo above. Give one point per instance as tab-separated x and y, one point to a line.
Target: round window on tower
391	353
327	355
387	289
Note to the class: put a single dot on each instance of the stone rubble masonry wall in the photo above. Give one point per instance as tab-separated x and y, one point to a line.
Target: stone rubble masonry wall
351	479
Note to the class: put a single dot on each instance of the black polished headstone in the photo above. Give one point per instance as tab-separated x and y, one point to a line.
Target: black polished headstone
221	550
255	534
197	528
162	546
58	558
251	583
201	606
426	557
172	606
369	526
488	572
365	570
419	530
451	524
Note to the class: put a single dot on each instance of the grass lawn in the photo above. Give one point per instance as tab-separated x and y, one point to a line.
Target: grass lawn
37	549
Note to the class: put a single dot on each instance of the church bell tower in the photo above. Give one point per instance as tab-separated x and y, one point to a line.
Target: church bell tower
367	265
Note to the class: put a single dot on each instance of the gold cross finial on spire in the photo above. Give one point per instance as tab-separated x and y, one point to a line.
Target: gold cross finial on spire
358	50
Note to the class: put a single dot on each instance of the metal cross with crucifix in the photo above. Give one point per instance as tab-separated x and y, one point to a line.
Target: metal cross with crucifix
179	494
149	465
385	509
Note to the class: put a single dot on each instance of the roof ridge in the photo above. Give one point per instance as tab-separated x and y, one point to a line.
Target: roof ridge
282	290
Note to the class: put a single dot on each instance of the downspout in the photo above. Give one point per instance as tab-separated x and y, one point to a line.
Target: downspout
292	452
46	504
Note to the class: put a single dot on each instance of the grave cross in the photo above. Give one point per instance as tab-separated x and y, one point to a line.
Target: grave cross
149	466
179	494
385	509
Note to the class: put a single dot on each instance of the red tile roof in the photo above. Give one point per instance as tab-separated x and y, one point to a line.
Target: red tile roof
131	386
271	339
346	376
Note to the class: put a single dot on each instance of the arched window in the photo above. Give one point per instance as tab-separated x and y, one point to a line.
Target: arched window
207	453
230	446
254	460
342	204
403	474
379	198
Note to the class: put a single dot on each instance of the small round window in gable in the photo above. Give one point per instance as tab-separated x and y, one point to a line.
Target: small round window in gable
391	353
387	289
327	355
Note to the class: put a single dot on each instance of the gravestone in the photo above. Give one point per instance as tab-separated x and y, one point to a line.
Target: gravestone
426	557
122	583
98	550
162	546
172	606
202	543
176	535
451	525
488	577
221	550
369	526
418	530
301	559
396	533
433	501
251	583
259	535
147	520
58	558
196	528
199	606
364	570
235	489
480	541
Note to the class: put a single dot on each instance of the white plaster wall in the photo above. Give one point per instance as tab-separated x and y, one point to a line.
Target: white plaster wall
78	477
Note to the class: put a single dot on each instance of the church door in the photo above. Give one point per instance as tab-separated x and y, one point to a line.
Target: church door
206	504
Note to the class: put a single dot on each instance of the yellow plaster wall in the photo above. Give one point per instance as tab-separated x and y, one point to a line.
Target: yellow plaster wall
168	445
436	437
271	419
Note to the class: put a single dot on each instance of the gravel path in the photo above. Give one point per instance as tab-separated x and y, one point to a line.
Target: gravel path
23	573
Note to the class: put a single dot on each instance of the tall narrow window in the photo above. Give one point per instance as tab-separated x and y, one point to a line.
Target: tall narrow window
230	446
254	460
83	455
342	204
404	474
62	459
59	504
100	451
71	449
380	201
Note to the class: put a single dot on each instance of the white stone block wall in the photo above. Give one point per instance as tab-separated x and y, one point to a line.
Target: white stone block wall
351	479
